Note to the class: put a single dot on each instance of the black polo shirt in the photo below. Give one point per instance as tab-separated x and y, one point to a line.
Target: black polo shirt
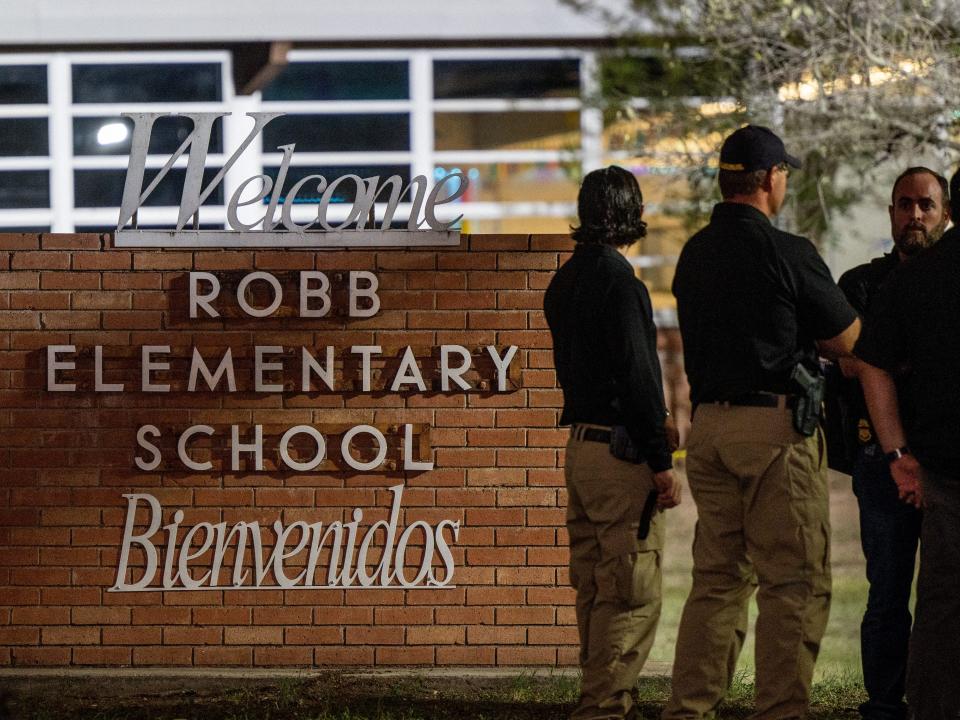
751	301
913	332
861	285
605	348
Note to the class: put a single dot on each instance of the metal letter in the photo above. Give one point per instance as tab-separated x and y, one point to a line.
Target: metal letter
182	447
502	364
143	540
432	201
408	372
53	365
197	300
358	292
147	365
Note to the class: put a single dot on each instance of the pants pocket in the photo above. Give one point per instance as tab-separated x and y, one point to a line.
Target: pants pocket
632	579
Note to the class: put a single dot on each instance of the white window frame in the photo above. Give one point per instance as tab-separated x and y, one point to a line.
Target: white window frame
60	111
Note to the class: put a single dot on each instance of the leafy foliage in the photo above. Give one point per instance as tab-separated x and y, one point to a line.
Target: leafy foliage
848	84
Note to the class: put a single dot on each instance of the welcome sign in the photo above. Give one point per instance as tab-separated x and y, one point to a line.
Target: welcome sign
298	554
277	226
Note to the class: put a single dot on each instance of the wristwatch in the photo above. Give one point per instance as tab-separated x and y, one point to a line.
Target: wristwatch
897	454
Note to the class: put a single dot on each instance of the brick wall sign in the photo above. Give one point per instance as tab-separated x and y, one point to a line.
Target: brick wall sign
263	457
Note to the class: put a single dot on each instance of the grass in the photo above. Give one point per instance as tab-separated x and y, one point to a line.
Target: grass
553	687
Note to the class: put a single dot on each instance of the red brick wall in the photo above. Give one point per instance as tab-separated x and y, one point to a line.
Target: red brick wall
67	458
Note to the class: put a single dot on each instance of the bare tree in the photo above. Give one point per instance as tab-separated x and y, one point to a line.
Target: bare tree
848	83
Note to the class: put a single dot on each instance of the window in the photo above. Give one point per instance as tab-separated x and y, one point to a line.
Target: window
104	188
24	189
509	118
507	130
506	78
341	81
147	82
23	84
511	182
519	225
339	133
112	135
21	137
345	191
170	226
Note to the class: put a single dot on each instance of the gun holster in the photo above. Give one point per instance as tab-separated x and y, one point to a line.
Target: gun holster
808	410
622	446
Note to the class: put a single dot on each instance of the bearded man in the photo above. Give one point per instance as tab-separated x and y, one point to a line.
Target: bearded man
889	528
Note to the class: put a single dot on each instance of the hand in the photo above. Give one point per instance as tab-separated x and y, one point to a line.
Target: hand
669	489
909	475
673	435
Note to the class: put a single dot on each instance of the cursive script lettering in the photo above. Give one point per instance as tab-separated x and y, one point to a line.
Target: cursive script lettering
196	558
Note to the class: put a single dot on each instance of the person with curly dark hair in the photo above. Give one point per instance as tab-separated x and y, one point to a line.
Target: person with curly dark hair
618	459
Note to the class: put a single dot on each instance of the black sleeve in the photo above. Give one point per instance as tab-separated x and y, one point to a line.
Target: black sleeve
556	315
884	341
822	309
631	339
854	288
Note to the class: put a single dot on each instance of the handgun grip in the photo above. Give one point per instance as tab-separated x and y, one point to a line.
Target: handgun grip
646	517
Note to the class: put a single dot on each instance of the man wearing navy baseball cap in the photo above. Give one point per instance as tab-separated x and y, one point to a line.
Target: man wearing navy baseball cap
754	148
756	305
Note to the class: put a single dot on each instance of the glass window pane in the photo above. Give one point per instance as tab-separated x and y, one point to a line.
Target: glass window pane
338	133
381	80
519	226
24	189
23	84
20	137
507	131
346	191
171	226
112	135
147	82
104	188
666	234
513	182
506	78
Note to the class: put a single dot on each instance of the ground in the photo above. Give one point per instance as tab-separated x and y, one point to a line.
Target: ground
337	695
426	693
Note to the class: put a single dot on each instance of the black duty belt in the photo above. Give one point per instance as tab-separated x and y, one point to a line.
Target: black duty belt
591	434
760	399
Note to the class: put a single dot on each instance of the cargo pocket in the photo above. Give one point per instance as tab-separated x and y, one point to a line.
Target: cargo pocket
817	542
632	579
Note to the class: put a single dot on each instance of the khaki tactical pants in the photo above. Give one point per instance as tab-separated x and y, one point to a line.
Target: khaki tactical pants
763	517
616	576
